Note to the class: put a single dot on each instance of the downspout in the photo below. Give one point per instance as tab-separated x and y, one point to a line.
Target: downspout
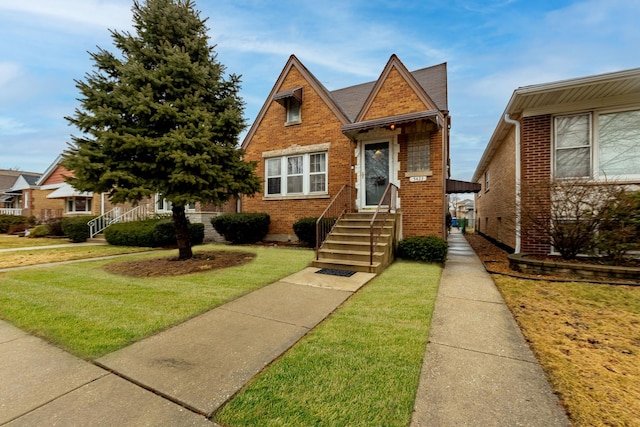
518	212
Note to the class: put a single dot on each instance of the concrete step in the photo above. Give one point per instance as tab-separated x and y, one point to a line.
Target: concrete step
349	255
338	264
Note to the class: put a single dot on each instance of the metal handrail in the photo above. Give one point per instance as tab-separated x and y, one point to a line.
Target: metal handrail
390	193
341	204
97	225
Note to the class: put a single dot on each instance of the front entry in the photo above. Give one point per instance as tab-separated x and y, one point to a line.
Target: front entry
376	171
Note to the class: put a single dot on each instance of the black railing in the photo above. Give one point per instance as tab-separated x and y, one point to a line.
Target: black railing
385	206
341	204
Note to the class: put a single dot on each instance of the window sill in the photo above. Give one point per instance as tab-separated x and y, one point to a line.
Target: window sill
296	197
293	123
418	173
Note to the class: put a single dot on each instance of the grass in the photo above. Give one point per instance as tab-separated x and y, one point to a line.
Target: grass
89	312
587	339
358	368
41	256
12	241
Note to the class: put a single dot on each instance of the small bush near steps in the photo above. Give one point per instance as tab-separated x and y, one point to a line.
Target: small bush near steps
239	228
426	249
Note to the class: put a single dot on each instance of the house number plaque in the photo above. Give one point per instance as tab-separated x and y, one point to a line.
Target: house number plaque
417	179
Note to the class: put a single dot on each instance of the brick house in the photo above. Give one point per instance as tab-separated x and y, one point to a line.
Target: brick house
309	142
52	197
16	191
586	127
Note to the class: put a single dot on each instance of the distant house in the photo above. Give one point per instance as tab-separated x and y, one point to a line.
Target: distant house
53	197
16	192
586	127
310	142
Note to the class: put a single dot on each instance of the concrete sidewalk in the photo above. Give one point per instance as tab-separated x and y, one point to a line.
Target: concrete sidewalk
176	378
478	370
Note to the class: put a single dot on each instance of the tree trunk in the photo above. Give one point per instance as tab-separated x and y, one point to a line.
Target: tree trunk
182	233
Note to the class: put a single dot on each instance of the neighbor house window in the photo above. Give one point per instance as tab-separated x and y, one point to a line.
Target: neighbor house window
573	146
418	152
163	205
293	107
486	181
602	145
78	205
619	144
301	174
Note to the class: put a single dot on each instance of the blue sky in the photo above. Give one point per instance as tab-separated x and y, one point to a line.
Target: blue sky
491	48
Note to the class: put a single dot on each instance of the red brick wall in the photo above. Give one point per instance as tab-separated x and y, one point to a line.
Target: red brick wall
496	205
423	203
536	174
318	125
395	97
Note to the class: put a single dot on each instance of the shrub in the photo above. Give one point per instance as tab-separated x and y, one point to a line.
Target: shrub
619	226
150	233
6	221
55	226
305	229
135	233
426	249
76	228
241	228
41	230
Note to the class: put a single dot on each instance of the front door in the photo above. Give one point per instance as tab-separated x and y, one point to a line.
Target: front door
376	171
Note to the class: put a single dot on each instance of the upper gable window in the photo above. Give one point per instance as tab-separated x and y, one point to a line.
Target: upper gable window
291	100
293	110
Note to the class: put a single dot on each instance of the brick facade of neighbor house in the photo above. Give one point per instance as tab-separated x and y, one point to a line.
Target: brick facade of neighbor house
599	117
341	123
536	173
496	205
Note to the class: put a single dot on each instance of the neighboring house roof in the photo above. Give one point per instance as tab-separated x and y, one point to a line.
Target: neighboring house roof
67	190
350	104
612	89
54	176
25	181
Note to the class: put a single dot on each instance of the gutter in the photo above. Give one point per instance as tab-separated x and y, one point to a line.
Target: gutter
518	211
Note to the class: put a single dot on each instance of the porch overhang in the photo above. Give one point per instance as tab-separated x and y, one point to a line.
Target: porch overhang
68	191
281	97
455	187
353	129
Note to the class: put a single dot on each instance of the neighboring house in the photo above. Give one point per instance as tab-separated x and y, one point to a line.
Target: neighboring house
309	142
586	127
54	198
16	192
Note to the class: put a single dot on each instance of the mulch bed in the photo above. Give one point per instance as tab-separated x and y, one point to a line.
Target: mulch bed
171	266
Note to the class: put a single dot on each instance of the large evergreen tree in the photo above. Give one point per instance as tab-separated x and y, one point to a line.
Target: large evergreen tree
161	117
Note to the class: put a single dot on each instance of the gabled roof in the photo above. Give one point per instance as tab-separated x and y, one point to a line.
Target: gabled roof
24	182
432	81
612	89
350	103
294	62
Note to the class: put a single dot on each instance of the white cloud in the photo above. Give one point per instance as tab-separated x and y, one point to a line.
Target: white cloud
10	126
95	13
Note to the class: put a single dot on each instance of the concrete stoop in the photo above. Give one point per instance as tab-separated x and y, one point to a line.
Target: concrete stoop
348	245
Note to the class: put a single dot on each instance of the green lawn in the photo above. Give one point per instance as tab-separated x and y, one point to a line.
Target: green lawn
10	241
360	367
90	312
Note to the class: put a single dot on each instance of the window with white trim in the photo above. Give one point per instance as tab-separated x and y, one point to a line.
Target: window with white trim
486	181
164	205
300	174
79	205
598	145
